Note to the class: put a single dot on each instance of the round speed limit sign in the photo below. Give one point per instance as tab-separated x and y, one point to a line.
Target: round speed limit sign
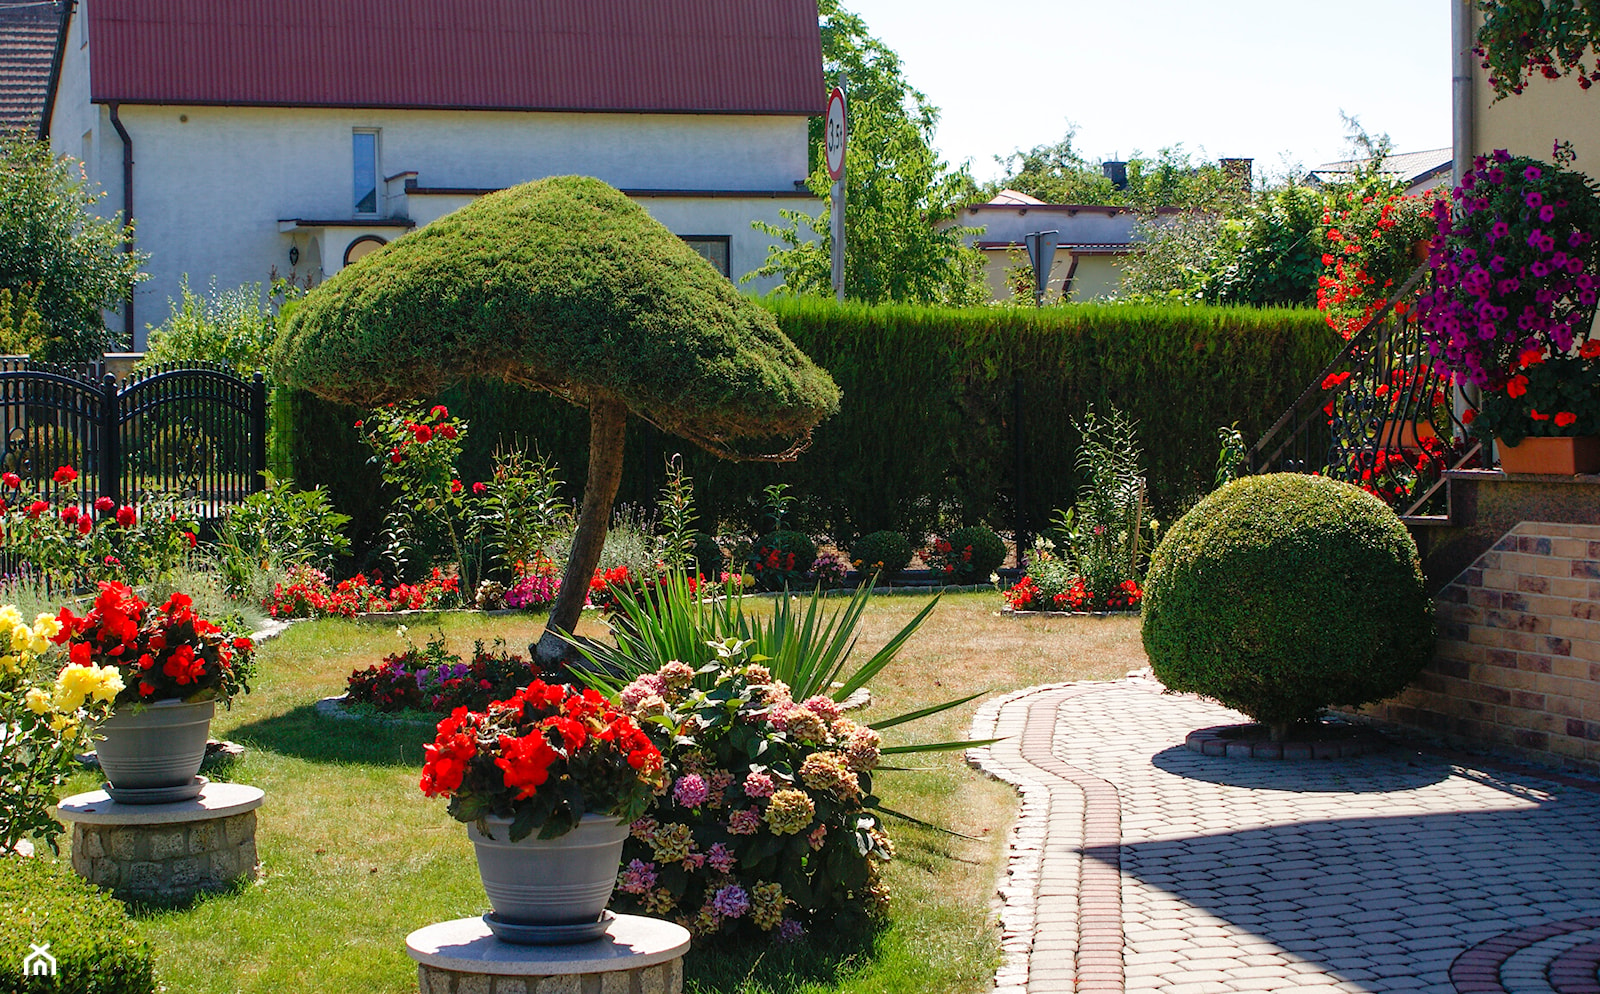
833	136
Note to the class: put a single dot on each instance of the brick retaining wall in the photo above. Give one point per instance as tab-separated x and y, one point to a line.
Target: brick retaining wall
1518	661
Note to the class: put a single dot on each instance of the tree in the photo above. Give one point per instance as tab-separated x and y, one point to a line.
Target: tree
1059	174
567	286
1553	38
52	243
900	201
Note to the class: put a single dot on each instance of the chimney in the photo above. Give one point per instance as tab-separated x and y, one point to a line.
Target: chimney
1240	170
1116	172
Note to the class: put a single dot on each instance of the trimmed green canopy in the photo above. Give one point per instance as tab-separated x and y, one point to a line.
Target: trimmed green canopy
564	285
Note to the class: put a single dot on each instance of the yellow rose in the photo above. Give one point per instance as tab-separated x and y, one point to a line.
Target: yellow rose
10	617
37	700
108	684
21	636
46	627
10	664
63	725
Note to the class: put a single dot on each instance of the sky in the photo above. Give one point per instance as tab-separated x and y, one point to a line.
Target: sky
1261	79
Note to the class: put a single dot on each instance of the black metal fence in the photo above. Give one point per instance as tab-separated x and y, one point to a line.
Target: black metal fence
198	431
1381	415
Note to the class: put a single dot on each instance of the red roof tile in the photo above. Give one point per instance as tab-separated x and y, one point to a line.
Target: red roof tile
708	56
28	31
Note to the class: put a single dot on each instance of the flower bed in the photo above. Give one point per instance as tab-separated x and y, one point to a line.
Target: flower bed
310	594
435	679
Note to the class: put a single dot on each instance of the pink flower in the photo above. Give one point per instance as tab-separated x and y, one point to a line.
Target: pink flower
759	785
746	822
691	791
721	859
730	902
637	877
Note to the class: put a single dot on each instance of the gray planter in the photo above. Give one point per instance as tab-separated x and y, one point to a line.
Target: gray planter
155	745
562	881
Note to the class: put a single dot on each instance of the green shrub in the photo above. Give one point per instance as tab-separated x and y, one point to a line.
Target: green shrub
968	555
96	945
707	555
883	552
927	419
1280	595
781	560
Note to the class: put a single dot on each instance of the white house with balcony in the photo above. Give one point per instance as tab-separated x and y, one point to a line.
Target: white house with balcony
247	138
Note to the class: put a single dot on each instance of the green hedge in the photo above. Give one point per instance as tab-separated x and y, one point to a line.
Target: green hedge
925	437
96	945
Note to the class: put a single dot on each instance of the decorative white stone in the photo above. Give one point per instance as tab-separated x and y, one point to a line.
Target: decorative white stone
467	946
216	800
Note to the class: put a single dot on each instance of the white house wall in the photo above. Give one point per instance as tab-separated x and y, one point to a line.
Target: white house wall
212	183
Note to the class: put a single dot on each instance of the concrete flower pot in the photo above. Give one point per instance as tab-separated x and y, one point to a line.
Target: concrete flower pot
158	745
561	881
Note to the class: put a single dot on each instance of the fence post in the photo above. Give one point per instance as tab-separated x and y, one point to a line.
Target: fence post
258	432
110	439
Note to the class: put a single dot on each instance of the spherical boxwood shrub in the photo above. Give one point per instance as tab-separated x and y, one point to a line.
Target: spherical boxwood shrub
782	559
885	553
1280	595
96	945
969	555
708	558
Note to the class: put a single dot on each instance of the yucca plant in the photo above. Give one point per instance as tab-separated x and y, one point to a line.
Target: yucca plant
802	644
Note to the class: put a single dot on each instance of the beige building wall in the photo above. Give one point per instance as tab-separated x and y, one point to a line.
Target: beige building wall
1531	122
1097	276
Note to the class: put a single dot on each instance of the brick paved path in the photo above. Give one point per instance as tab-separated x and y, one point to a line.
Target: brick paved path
1137	865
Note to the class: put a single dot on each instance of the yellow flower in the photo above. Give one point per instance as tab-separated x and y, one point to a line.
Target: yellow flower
63	725
21	637
74	684
10	617
46	626
10	664
37	700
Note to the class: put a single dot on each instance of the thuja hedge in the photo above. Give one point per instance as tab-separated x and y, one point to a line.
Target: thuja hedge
936	403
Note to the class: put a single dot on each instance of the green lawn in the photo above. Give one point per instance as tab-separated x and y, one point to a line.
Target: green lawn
354	857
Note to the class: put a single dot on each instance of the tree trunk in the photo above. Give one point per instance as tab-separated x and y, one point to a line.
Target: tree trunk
608	423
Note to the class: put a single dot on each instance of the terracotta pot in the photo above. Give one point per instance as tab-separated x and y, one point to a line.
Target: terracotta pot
1551	456
1406	434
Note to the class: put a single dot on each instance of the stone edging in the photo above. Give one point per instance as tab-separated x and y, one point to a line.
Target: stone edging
333	707
1012	612
1074	802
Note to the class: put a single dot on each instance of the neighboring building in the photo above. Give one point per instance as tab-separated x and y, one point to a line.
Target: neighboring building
29	32
1093	239
299	137
1420	171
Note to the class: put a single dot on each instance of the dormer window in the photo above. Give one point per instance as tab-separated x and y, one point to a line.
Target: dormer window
365	147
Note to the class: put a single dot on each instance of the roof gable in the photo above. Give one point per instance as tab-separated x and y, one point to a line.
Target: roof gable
630	56
28	35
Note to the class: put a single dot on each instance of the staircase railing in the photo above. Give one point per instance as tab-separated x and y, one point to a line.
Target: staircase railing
1379	415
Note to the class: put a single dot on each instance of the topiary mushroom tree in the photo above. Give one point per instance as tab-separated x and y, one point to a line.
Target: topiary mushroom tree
567	286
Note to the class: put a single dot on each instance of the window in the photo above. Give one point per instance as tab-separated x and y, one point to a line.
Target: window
714	248
365	145
362	247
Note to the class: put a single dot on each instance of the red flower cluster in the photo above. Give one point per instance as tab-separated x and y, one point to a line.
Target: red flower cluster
548	738
309	594
170	652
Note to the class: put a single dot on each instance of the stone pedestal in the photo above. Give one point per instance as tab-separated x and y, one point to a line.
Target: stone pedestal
165	852
637	956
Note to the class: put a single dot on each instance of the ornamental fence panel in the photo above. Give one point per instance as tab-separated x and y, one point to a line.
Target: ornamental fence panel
196	431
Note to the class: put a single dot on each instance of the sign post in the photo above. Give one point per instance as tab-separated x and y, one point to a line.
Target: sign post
1042	257
833	140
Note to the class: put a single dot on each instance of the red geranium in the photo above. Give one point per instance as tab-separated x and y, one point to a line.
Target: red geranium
544	757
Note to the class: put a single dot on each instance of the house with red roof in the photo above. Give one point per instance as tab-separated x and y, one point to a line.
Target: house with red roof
245	137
